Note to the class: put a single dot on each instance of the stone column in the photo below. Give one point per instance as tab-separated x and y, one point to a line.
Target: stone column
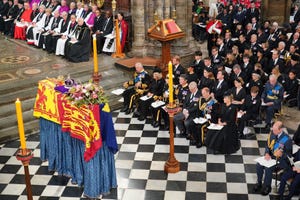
185	46
158	7
167	8
138	21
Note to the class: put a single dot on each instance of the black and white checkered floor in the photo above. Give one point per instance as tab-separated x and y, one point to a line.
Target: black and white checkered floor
140	163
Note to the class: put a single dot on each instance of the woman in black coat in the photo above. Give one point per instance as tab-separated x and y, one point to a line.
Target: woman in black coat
226	140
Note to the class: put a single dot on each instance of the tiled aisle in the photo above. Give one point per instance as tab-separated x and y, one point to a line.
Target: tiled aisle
140	163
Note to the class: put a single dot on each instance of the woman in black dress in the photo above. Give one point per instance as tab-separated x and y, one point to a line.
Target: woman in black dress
226	140
238	92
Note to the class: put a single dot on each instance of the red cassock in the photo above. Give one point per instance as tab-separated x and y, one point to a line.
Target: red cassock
124	29
20	30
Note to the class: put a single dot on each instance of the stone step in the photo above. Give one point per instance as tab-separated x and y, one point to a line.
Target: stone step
11	133
6	88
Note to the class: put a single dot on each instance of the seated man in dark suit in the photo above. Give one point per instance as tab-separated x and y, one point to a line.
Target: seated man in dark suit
249	110
279	147
221	86
184	119
103	28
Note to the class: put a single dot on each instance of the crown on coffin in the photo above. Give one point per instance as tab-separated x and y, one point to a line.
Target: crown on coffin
165	30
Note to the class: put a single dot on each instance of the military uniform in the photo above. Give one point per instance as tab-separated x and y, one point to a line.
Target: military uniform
281	142
132	93
272	94
206	106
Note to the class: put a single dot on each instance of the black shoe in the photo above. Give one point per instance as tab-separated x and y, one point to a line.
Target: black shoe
136	114
265	190
141	118
193	142
124	109
257	187
128	111
198	145
155	124
166	128
189	137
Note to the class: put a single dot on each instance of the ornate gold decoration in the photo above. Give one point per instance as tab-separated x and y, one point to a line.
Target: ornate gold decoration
100	3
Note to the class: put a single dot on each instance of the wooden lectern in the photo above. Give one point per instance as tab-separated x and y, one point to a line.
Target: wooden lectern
165	31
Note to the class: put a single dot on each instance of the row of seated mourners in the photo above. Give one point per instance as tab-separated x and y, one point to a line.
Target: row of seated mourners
229	107
61	29
231	99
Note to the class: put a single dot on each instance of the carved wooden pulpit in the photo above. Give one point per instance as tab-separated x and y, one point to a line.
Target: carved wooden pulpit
165	31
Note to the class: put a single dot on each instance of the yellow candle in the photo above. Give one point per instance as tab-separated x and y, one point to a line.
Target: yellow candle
95	54
170	69
20	124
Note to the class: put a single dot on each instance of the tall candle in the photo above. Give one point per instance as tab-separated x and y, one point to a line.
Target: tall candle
95	54
170	68
20	123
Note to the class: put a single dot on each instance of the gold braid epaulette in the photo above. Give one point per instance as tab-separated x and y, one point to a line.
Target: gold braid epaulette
202	106
270	144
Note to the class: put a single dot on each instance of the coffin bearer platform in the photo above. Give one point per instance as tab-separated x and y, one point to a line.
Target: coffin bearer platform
148	62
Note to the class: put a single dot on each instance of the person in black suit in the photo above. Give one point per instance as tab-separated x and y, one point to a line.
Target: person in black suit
294	40
249	32
98	21
252	12
239	16
104	27
228	41
291	89
236	73
296	17
3	13
199	64
250	109
254	23
177	69
274	62
261	36
254	45
221	47
273	39
183	119
216	58
221	86
247	68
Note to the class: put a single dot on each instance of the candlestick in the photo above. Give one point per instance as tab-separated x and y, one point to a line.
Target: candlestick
20	124
170	68
95	54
